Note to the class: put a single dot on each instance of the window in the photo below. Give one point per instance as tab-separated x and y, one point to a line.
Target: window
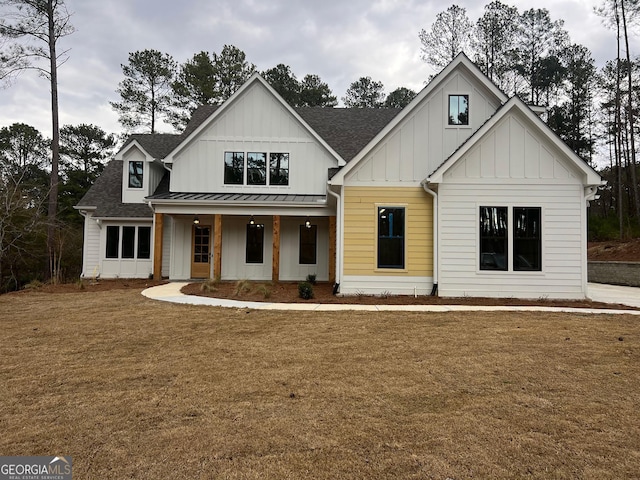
458	109
493	238
256	168
527	241
391	237
255	243
121	242
144	242
279	169
128	242
113	239
252	168
308	243
135	174
234	168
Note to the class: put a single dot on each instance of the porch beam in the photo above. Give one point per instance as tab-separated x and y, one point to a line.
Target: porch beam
275	265
332	249
158	231
217	246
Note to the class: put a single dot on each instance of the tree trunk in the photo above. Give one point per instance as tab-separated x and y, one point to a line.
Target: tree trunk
55	148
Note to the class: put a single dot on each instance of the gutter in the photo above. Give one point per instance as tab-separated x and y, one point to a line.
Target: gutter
424	184
339	240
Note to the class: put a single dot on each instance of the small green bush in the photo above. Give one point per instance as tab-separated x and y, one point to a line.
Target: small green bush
311	278
305	290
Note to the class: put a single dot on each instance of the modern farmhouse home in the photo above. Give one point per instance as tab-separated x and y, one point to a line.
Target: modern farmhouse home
464	192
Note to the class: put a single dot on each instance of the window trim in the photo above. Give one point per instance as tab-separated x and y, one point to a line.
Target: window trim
448	110
120	243
245	170
130	174
404	267
302	228
258	227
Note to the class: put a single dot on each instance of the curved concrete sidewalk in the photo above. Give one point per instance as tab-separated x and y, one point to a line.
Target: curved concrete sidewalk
170	292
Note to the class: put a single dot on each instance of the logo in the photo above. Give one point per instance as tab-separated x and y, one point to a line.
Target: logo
35	468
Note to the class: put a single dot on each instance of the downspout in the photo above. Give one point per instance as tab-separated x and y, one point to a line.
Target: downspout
336	287
434	290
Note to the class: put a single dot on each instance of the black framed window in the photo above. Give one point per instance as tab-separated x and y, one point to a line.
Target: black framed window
255	243
234	168
391	229
308	244
136	172
458	109
279	169
494	238
144	242
113	241
527	239
128	242
256	168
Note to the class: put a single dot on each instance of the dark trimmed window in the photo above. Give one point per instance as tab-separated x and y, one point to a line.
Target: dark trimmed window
279	169
308	244
144	242
128	242
255	243
113	241
256	168
527	239
234	168
493	238
136	171
458	109
391	237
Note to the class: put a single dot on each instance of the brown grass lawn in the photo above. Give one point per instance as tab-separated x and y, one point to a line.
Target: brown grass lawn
133	388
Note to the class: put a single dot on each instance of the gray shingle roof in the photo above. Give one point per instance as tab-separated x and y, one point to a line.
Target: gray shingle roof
106	196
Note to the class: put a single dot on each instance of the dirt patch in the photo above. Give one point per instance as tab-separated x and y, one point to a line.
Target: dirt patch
615	251
287	292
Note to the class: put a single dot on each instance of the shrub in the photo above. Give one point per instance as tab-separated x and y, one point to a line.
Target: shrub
242	286
311	278
209	285
265	291
34	285
305	290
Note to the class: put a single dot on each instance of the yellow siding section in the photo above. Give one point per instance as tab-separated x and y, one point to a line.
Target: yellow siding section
360	218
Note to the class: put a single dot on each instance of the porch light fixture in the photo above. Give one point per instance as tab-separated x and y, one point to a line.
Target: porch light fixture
307	224
196	220
252	221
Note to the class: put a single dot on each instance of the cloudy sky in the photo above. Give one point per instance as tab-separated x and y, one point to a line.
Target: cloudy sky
340	40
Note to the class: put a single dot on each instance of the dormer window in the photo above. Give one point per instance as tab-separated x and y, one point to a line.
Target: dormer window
136	170
458	110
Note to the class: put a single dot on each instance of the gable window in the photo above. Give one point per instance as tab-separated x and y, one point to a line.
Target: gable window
256	168
279	169
391	237
136	170
255	243
527	241
234	168
308	244
493	238
113	240
458	109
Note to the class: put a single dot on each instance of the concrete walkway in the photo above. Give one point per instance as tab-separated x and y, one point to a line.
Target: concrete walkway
170	292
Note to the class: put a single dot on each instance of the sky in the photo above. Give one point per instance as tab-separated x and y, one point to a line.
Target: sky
339	40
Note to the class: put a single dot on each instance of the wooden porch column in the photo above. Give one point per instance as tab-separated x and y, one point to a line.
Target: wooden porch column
332	249
275	266
217	246
157	245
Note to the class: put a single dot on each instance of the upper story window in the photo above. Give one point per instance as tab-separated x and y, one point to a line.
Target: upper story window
136	170
458	109
251	168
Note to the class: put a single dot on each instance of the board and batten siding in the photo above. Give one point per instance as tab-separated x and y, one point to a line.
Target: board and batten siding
360	272
513	165
91	253
255	122
423	140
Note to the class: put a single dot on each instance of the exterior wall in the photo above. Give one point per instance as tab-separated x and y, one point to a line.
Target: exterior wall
91	248
134	195
563	230
290	267
166	245
234	240
360	272
255	122
180	247
119	267
422	141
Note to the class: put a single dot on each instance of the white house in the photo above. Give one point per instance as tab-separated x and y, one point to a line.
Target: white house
464	191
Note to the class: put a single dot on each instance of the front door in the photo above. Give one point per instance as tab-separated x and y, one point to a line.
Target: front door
200	250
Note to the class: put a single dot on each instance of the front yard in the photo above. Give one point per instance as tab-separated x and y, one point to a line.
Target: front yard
133	388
